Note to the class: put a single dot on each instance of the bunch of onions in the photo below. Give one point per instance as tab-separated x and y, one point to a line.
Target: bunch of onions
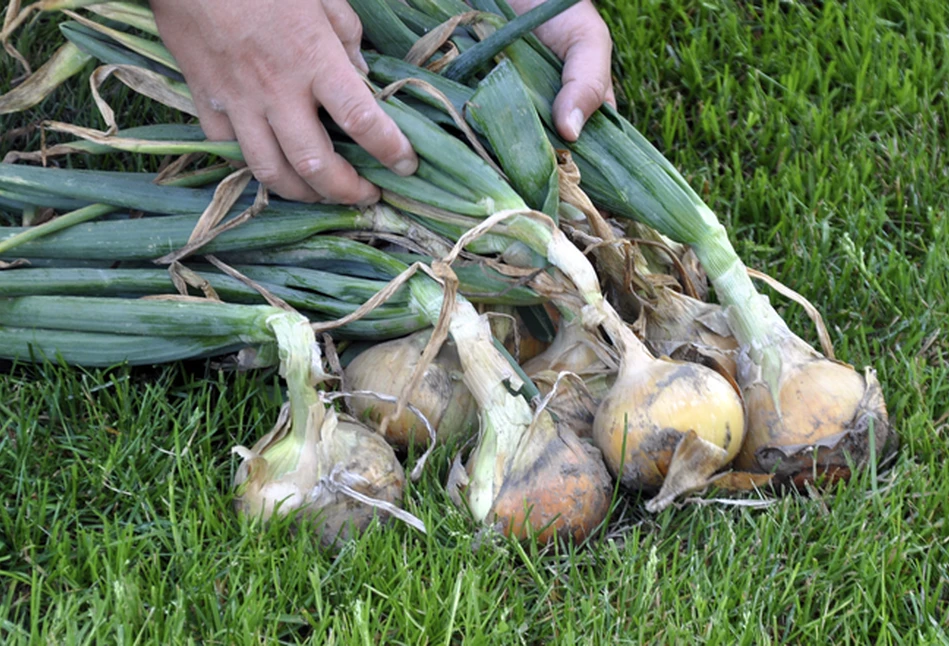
807	414
624	174
512	473
532	169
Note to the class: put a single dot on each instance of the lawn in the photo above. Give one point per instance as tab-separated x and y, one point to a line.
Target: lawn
817	131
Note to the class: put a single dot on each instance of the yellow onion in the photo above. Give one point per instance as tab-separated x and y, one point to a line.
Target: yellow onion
334	474
527	474
812	417
555	487
441	395
652	406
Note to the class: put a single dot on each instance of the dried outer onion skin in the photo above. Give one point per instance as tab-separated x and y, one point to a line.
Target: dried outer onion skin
372	470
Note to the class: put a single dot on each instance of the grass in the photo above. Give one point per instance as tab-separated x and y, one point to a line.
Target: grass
817	132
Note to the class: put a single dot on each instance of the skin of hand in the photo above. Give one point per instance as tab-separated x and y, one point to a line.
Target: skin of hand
582	40
259	70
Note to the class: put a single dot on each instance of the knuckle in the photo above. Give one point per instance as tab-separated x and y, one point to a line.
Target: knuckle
359	119
267	175
599	87
309	165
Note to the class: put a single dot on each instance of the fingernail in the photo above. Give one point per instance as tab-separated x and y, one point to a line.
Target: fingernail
361	63
405	167
575	121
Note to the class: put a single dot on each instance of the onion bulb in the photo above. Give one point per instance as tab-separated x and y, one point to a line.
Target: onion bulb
441	395
527	474
812	417
335	474
652	406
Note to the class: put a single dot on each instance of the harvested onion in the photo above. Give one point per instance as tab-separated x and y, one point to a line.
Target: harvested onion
441	395
334	474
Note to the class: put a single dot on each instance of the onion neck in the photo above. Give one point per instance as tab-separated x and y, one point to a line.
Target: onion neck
300	366
757	326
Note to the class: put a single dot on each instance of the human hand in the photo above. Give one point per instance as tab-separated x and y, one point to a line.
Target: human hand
260	69
582	40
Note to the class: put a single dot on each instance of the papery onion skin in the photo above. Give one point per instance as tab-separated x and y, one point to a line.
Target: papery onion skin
441	395
360	452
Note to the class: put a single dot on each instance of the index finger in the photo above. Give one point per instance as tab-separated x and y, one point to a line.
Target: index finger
347	99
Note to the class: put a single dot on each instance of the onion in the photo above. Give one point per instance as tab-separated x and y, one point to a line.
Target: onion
527	474
556	486
811	420
441	395
336	475
652	406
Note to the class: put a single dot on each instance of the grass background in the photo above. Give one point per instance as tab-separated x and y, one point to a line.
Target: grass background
817	132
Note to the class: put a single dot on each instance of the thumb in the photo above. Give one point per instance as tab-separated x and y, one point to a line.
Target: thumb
586	84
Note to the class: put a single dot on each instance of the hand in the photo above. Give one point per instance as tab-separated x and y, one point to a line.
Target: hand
260	69
582	40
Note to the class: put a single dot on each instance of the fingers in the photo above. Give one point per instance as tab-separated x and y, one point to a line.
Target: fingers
260	76
266	160
346	24
586	82
351	105
309	153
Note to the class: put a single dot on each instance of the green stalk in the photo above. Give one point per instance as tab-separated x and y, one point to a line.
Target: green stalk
134	15
63	65
103	350
383	27
80	281
93	211
150	49
472	60
99	46
243	323
150	238
502	109
296	343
